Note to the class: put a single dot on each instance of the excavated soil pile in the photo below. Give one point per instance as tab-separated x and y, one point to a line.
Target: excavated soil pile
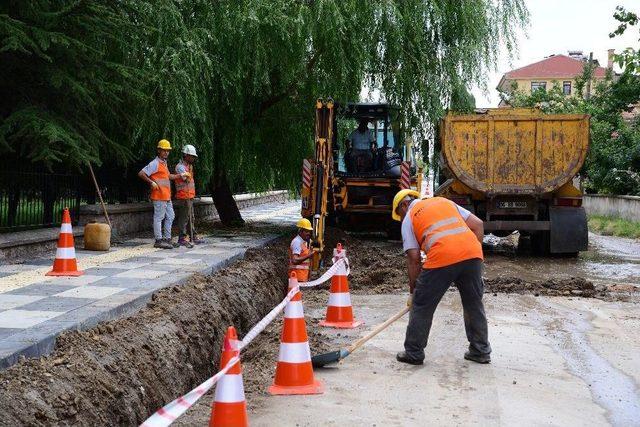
121	371
378	266
574	286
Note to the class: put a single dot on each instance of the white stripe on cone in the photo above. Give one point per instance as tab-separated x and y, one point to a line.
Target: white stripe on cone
340	299
65	253
294	352
66	228
230	389
294	310
341	270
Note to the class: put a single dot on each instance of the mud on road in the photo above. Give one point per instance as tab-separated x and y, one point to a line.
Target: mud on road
121	371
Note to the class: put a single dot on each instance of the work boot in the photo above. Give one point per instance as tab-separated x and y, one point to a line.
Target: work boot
402	357
162	244
197	240
184	242
172	243
478	358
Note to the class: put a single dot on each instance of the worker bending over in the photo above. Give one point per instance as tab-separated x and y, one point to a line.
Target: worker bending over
299	252
185	193
451	237
157	175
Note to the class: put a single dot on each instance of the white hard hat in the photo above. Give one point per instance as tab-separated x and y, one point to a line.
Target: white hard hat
189	149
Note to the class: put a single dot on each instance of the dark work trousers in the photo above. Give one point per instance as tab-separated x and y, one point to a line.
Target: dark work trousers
184	219
430	288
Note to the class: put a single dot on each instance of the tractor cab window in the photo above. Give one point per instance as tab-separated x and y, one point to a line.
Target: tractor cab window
380	133
380	155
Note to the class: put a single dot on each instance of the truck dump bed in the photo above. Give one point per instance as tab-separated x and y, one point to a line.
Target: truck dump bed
515	151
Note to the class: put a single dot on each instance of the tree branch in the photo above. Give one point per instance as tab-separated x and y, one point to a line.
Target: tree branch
291	89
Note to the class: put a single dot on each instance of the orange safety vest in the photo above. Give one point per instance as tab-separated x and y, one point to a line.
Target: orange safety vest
161	177
442	233
185	189
301	270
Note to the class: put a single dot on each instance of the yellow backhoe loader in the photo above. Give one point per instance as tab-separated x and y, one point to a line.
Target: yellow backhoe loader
361	160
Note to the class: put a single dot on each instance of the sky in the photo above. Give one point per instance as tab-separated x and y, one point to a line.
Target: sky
557	26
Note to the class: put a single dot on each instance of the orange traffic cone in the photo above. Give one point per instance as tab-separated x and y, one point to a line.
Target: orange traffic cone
229	406
65	262
294	373
339	309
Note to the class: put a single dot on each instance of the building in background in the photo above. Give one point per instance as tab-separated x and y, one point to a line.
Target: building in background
560	70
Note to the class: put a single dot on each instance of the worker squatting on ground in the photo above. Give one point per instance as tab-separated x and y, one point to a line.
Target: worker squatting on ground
156	173
451	238
185	193
299	252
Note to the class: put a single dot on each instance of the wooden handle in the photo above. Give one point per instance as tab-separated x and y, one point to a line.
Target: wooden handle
378	329
95	182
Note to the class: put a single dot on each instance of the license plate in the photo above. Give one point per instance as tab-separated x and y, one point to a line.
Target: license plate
512	205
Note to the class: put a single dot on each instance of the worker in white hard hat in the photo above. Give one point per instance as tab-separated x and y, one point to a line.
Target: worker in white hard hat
299	251
185	194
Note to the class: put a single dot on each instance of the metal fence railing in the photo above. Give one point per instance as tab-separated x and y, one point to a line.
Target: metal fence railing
33	199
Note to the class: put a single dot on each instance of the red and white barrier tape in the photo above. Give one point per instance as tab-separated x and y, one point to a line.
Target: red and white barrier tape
171	411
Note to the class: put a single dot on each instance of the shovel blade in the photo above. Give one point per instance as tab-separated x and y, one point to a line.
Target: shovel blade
321	360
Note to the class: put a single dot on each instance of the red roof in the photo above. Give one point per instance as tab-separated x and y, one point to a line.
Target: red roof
556	66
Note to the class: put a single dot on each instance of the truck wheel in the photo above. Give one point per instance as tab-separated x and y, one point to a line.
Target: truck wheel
541	243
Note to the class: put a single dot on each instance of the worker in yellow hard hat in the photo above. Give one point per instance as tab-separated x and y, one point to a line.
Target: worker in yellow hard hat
451	237
157	175
299	251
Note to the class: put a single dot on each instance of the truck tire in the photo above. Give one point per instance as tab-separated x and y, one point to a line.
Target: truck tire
540	243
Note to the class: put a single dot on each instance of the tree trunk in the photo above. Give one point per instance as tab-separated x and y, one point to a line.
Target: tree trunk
223	200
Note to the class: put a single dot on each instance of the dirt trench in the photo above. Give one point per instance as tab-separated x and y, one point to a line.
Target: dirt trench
121	371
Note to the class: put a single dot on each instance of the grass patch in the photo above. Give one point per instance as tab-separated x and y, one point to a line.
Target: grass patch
612	226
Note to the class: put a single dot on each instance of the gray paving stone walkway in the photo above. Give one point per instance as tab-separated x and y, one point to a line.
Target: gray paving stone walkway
35	309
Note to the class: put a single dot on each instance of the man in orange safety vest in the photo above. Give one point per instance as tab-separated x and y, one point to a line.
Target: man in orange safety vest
185	194
299	252
451	238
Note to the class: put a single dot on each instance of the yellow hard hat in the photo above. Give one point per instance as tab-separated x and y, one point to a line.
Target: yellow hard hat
305	224
400	195
164	144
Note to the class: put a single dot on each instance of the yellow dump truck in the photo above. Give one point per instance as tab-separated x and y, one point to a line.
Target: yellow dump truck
514	169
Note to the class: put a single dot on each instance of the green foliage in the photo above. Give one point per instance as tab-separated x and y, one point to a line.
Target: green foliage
628	59
236	78
62	93
612	226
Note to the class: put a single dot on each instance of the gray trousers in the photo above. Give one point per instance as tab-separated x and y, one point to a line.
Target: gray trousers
163	216
431	286
184	206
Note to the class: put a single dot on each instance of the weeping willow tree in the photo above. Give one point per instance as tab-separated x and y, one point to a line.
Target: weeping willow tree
242	76
238	78
64	81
